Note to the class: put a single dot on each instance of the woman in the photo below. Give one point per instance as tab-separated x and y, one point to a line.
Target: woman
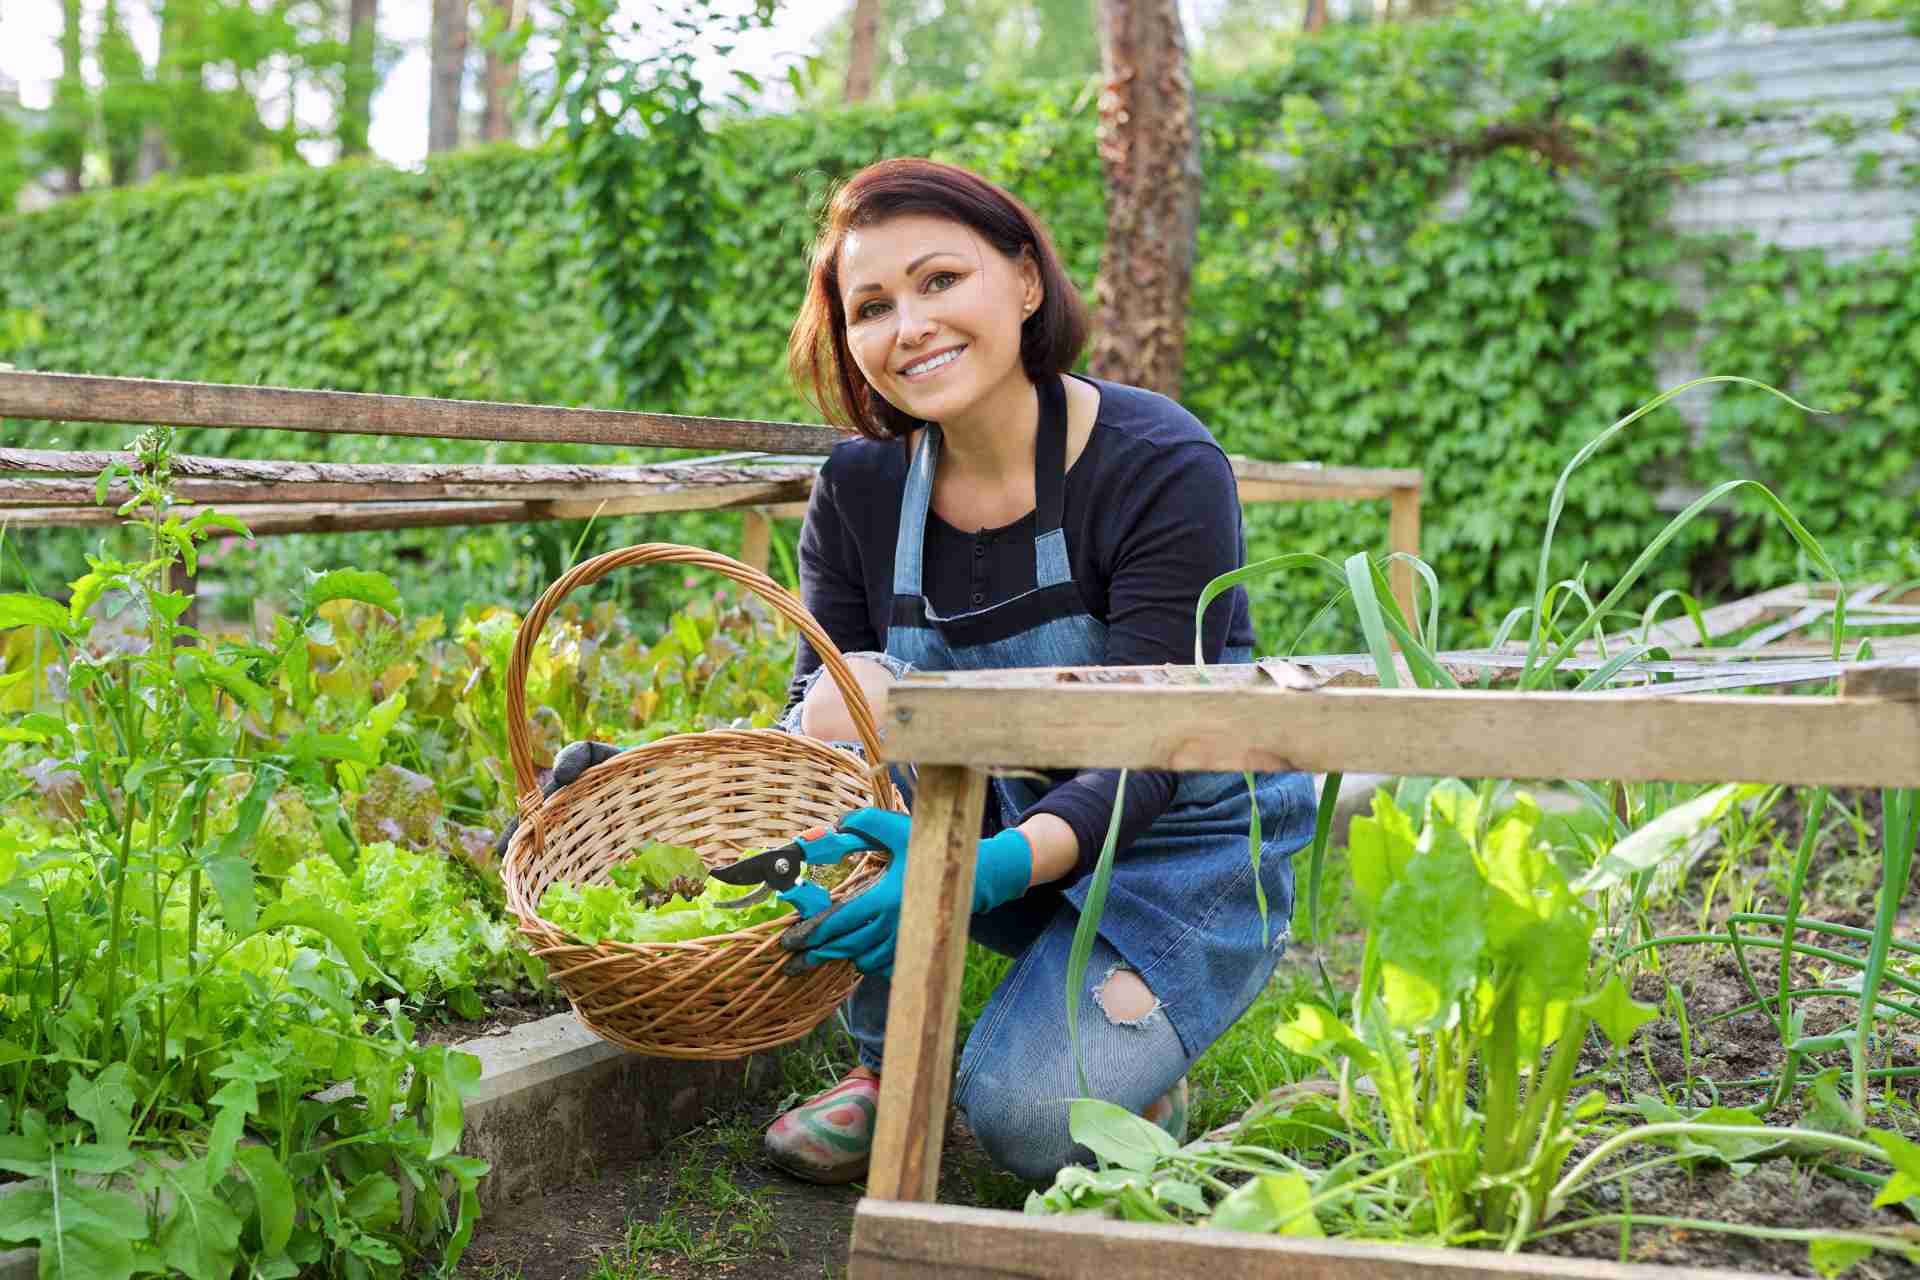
997	511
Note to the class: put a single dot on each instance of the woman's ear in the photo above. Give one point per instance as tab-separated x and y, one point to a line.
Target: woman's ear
1032	292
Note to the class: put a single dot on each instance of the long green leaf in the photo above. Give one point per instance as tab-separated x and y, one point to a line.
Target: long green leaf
1258	569
1366	603
1532	677
1088	928
1558	502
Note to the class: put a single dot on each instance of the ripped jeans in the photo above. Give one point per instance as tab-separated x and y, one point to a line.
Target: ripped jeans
1017	1075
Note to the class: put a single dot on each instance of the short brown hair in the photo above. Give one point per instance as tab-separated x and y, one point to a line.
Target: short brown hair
817	351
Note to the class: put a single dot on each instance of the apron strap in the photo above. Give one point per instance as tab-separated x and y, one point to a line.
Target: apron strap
909	544
1050	564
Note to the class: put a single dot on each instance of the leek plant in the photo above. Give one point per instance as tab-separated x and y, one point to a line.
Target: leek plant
1456	1058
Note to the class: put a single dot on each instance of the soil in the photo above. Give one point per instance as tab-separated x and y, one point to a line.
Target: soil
709	1206
505	1011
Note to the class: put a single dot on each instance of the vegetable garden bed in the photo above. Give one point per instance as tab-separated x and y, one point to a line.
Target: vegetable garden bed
953	728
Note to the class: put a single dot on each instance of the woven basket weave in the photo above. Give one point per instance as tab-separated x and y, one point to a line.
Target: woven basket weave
722	793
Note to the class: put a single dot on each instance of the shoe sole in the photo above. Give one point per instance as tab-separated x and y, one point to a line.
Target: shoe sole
820	1177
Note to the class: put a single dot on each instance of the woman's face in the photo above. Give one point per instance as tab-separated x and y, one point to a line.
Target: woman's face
934	314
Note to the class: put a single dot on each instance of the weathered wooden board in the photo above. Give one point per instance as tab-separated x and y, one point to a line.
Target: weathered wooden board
74	397
942	1242
42	477
923	1005
353	517
1702	738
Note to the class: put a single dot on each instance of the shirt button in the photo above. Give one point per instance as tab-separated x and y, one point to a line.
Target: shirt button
978	598
978	550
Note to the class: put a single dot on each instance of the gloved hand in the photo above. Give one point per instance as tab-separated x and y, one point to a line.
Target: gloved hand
574	759
865	927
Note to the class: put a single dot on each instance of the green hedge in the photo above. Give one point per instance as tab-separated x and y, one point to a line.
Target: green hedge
1438	246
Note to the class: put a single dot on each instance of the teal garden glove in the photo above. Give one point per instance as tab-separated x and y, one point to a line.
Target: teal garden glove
865	927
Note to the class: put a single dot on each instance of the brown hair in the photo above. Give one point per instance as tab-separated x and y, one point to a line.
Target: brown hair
817	353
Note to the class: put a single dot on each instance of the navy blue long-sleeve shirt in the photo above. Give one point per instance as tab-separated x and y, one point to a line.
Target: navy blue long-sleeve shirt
1151	515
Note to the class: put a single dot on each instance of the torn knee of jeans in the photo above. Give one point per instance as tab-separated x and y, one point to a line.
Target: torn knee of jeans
1125	998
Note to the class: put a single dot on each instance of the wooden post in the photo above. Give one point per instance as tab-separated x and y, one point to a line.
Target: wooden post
756	538
1403	534
924	1008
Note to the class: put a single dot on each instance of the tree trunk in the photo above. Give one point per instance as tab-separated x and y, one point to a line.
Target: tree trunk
356	102
1149	151
124	104
449	74
1316	17
864	55
502	72
67	147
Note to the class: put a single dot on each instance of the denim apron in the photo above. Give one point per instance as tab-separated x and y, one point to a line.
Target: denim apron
1181	909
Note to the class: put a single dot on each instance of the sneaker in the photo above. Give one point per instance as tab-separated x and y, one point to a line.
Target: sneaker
1169	1111
828	1137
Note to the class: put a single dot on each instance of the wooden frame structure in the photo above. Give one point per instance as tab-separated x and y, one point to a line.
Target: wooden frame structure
50	489
956	728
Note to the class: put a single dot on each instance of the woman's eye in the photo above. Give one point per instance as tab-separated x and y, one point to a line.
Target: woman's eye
869	310
942	280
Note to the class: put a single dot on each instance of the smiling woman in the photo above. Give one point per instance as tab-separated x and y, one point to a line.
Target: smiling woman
999	511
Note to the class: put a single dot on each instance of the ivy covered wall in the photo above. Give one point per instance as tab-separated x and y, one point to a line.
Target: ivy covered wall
1444	246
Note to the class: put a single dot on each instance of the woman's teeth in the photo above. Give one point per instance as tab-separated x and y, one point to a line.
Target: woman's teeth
940	361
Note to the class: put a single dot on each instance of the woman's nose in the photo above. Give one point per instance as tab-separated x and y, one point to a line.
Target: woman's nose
915	326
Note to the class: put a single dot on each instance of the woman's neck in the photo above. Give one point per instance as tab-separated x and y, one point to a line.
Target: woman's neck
993	441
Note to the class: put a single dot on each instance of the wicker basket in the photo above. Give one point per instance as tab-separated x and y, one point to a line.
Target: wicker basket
720	793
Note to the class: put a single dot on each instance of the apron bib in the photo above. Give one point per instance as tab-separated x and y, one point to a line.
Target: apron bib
1182	907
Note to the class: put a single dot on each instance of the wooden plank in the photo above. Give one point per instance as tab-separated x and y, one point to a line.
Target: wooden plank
1291	491
756	539
324	517
1320	476
1403	535
1723	619
74	397
68	492
719	467
923	1008
1491	734
947	1242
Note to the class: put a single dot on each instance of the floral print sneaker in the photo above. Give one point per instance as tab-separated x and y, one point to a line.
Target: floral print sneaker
828	1137
1169	1111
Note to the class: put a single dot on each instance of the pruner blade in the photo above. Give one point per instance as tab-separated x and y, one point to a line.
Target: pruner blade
774	871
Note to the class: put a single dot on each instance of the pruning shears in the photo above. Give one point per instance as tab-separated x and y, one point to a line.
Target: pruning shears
782	870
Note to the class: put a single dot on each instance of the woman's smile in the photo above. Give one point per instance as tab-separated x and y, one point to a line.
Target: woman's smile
927	366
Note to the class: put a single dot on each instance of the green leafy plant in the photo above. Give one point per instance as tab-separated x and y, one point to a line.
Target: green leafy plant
166	1017
662	894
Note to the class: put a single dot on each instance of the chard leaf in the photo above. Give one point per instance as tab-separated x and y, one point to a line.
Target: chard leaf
1379	849
1272	1202
1118	1136
1616	1012
1904	1156
1431	932
1315	1032
1830	1256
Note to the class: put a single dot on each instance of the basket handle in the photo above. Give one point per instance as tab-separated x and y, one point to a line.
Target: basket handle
784	602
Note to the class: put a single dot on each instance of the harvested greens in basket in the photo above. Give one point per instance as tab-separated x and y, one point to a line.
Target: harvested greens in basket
661	894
